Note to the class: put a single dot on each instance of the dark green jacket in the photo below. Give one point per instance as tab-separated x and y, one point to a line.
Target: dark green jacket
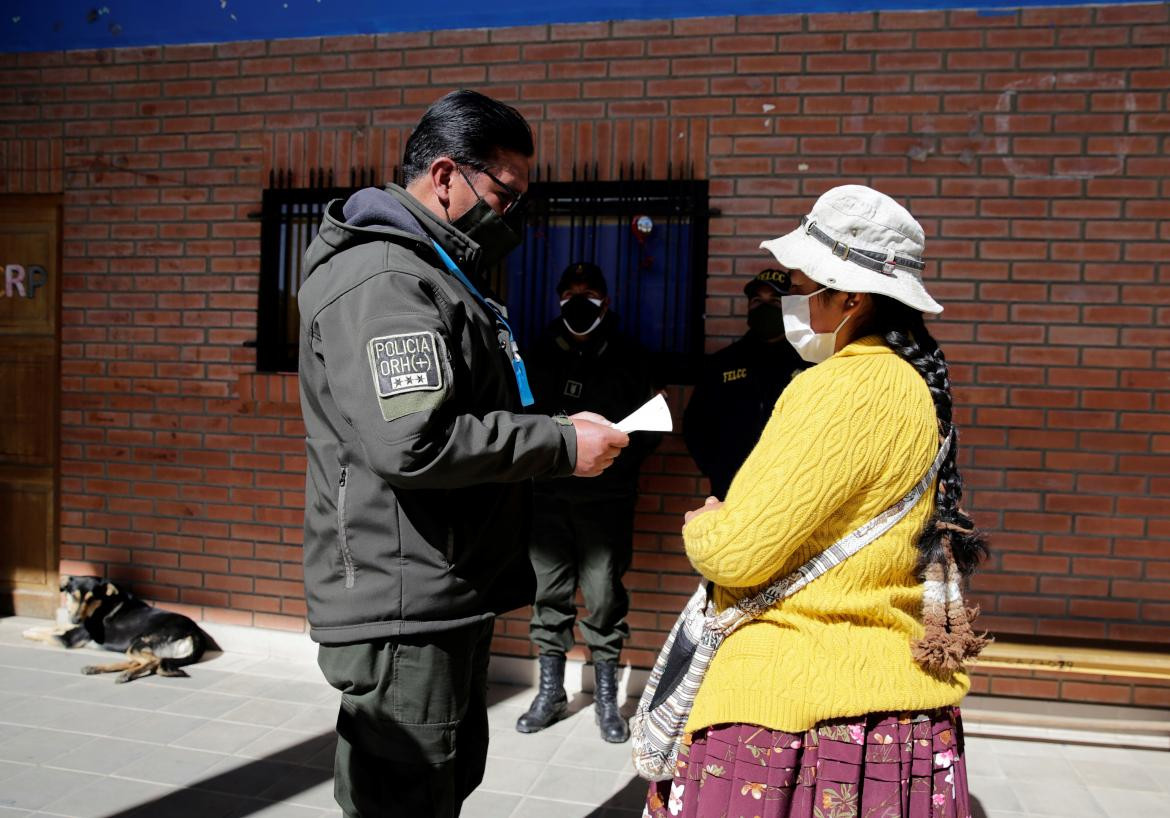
418	492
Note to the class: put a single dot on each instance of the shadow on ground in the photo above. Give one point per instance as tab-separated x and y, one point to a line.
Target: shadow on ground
631	796
231	794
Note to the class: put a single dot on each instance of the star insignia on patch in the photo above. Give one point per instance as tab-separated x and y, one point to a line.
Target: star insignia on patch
404	363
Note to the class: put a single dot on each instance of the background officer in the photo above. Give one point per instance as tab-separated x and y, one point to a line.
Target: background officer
739	385
582	534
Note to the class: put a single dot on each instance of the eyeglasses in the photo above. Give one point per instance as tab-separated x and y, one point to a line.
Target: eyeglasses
516	200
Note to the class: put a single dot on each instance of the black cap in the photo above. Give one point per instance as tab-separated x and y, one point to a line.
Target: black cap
778	280
583	272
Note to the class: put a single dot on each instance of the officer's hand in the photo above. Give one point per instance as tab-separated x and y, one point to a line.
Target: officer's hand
598	443
592	416
711	504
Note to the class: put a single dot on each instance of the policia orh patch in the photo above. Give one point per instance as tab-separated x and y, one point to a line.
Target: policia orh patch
403	365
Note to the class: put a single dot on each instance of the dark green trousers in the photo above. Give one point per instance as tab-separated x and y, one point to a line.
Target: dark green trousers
412	732
587	545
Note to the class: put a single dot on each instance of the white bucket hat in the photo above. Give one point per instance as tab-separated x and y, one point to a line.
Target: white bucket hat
859	240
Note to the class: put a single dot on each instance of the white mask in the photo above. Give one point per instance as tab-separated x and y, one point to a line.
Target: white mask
812	346
581	309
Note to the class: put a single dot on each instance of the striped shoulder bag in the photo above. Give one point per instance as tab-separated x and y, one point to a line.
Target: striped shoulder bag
658	725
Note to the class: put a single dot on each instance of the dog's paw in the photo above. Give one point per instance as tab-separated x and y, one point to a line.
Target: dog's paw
40	634
124	677
91	670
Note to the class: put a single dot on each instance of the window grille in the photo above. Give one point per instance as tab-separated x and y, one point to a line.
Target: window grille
289	218
648	236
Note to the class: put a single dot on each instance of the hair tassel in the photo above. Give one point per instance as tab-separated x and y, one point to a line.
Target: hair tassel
949	642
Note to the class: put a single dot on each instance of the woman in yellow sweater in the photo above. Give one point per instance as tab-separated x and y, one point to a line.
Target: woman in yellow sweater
840	701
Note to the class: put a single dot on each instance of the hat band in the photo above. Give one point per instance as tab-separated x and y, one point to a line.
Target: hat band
874	262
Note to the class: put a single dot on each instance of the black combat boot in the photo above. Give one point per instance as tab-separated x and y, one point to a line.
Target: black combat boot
551	702
605	704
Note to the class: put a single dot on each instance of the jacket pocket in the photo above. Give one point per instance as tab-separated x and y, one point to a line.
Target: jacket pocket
342	534
457	528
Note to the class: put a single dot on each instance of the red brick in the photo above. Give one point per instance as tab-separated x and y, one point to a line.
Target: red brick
779	64
641	28
838	63
678	45
582	31
744	43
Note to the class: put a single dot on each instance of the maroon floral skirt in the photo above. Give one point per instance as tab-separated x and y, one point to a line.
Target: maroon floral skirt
884	765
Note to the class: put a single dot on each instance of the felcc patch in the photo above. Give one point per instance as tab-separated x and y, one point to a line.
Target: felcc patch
405	363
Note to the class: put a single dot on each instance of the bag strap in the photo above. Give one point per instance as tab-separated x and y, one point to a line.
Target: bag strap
751	607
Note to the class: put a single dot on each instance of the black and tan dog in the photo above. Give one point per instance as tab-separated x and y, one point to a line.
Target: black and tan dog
154	640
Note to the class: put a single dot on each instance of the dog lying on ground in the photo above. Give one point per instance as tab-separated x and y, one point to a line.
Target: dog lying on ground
154	640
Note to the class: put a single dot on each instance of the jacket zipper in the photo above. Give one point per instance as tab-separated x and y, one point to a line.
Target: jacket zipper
342	538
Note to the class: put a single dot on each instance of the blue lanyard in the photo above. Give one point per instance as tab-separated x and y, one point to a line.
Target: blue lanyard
518	368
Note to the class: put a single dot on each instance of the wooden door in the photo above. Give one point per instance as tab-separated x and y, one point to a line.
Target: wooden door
30	297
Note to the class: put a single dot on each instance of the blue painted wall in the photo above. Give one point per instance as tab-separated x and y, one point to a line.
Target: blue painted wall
52	25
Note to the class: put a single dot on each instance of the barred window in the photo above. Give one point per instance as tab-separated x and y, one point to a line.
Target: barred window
649	237
289	218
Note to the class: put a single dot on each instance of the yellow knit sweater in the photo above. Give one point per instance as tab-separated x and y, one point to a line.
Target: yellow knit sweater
847	439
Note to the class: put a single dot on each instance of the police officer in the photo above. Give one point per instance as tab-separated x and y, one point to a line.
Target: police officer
739	385
583	531
420	459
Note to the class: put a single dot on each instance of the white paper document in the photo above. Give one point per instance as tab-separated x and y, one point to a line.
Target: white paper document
652	416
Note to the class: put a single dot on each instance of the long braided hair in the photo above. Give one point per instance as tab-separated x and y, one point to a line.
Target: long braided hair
950	546
904	331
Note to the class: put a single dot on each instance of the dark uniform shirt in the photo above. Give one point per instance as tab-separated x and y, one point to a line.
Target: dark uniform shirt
732	402
609	373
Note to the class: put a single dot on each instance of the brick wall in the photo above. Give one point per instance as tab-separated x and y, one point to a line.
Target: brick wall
1030	144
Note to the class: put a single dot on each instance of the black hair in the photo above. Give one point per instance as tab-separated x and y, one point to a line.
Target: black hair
469	128
904	331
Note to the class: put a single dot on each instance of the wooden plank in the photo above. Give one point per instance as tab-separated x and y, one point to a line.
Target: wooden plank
1096	661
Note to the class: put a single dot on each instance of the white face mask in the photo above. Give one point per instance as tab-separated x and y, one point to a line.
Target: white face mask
812	346
580	309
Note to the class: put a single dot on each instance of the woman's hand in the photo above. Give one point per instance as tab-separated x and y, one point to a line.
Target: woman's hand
711	504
